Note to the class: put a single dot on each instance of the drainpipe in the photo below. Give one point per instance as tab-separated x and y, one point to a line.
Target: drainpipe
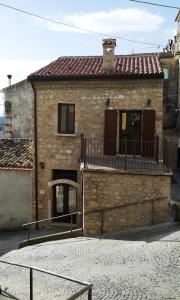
82	201
35	154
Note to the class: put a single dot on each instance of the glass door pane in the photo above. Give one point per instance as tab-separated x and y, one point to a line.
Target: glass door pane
72	199
59	198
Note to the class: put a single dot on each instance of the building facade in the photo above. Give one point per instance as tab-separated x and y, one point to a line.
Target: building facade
109	99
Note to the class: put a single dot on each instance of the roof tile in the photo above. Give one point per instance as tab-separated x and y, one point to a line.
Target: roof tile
16	153
137	65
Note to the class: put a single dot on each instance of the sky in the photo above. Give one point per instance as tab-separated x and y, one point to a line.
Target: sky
28	43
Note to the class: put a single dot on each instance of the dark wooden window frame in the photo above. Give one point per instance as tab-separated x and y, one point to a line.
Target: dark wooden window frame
67	131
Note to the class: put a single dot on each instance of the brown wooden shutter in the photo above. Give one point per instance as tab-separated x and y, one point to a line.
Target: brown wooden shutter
148	133
59	117
110	132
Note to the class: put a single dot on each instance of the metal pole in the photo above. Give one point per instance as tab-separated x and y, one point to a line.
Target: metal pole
71	223
82	148
31	284
84	152
90	294
125	162
28	234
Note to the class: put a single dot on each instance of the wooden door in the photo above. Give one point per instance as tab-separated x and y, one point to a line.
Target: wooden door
110	132
130	132
148	133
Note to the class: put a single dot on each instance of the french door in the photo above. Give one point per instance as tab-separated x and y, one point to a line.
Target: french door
65	202
130	130
136	127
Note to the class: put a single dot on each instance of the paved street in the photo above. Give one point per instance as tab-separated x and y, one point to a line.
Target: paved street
135	264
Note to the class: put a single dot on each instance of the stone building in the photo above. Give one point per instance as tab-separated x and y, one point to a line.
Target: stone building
115	172
170	93
16	156
16	194
19	110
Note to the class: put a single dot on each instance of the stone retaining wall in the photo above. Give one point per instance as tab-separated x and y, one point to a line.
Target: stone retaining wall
103	189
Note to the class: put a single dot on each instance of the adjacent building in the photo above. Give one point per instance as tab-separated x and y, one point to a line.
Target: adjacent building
16	193
19	110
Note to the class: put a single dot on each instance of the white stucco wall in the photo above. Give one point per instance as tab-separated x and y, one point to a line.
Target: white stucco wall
15	198
21	96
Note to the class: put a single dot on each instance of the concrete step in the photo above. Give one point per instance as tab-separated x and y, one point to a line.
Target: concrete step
51	237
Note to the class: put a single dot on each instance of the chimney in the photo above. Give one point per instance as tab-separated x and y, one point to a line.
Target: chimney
108	54
9	79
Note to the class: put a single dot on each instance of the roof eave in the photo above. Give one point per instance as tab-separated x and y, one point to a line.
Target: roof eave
108	76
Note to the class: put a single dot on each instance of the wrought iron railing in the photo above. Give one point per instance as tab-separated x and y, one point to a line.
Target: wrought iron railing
131	154
87	287
28	225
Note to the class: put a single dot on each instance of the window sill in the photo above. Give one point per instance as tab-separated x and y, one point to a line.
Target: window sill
66	134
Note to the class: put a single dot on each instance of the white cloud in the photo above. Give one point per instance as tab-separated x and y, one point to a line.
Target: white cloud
112	21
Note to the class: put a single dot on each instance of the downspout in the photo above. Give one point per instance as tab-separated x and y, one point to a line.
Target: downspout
82	201
35	154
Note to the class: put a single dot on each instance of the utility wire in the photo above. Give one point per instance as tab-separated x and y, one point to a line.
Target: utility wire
76	27
155	4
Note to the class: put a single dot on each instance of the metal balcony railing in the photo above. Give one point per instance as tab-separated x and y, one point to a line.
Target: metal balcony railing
131	154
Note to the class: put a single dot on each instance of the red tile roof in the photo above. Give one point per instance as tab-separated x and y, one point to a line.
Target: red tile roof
137	65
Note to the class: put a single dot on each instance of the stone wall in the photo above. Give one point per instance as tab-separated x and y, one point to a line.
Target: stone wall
170	96
89	96
21	120
172	136
103	189
15	199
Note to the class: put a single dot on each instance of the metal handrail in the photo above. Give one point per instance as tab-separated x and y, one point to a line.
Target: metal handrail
87	286
54	218
49	219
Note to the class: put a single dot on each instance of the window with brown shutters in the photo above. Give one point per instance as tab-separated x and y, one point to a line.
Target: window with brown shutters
66	118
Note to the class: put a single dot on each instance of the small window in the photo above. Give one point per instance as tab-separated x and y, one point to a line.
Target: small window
166	72
8	108
66	118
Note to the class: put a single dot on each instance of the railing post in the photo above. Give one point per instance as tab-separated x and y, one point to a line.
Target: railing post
82	148
71	223
157	148
28	234
31	284
125	154
84	142
168	162
90	294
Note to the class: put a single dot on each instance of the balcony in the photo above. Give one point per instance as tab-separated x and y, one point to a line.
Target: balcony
130	155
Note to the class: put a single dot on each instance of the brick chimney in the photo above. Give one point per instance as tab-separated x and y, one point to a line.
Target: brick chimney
108	54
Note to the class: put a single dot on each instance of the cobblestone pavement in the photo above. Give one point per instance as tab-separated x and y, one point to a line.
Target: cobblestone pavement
10	240
135	264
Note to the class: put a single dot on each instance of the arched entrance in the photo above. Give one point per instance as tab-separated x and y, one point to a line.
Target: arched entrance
64	199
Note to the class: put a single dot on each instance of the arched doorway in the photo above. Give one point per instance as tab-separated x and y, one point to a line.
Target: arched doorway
64	199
